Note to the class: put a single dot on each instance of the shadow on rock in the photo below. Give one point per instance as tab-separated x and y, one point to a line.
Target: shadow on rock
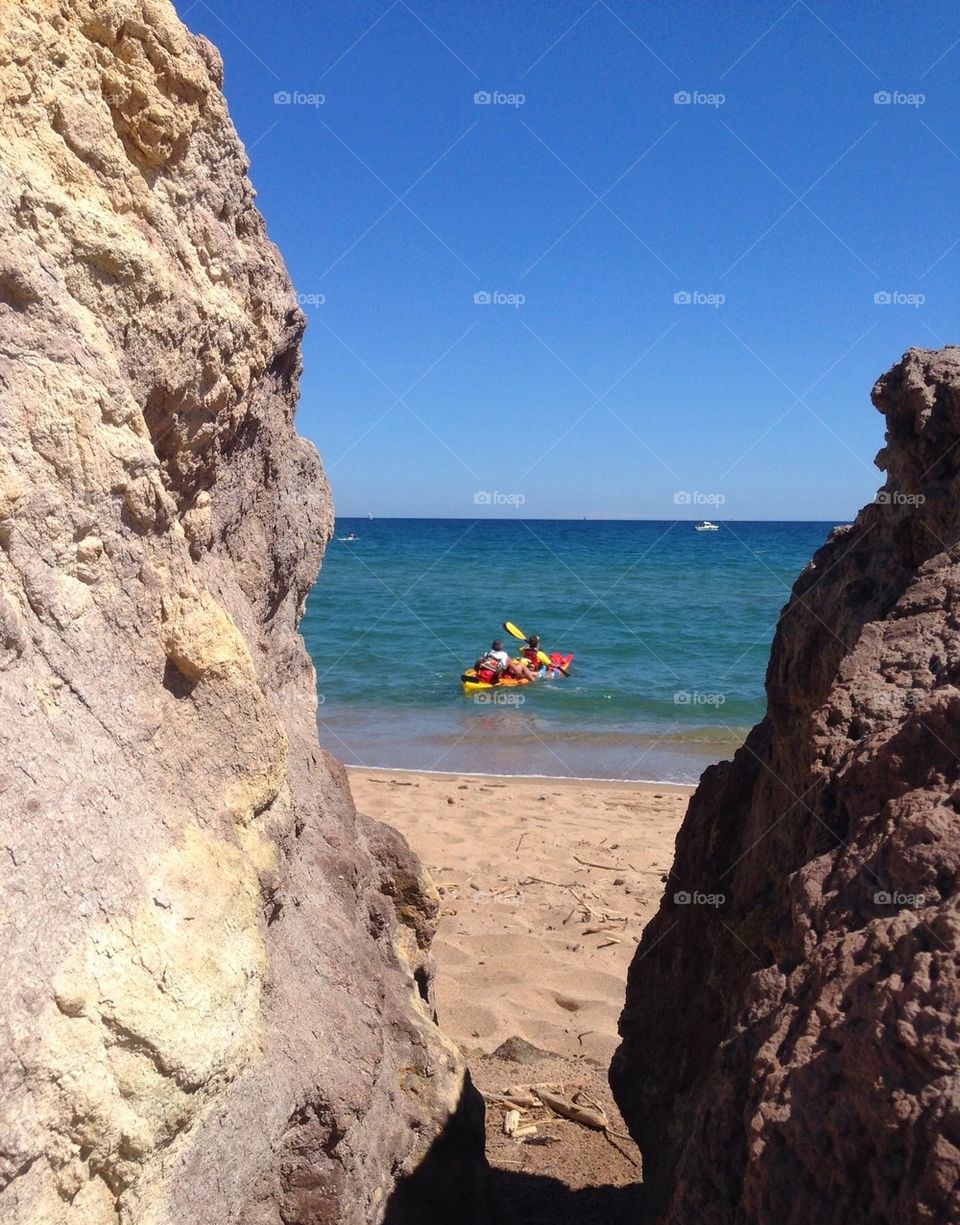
451	1183
451	1187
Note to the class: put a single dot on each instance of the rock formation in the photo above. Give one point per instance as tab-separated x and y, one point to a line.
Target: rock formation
216	975
791	1033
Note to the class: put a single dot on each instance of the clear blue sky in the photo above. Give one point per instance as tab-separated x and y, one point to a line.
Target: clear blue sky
598	198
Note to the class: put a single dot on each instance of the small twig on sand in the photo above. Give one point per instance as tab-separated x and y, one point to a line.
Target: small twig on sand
580	1037
611	1138
583	904
520	839
609	867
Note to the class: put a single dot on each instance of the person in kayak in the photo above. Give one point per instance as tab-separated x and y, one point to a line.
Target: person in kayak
531	653
497	663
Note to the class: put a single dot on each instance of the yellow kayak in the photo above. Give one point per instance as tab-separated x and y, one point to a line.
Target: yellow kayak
472	685
559	665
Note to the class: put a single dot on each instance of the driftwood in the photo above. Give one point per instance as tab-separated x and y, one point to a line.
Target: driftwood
584	1115
581	1109
522	1096
508	1101
583	1096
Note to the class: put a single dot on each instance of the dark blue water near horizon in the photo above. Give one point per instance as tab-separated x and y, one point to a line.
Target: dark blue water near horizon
671	630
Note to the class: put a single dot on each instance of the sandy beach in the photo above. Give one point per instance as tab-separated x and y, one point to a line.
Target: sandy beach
546	886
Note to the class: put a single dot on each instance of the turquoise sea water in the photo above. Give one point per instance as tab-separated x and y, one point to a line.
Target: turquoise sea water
671	630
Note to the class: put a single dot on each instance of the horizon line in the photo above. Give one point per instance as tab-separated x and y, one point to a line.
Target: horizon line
574	519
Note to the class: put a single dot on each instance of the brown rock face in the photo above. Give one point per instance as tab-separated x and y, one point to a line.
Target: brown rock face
790	1053
216	975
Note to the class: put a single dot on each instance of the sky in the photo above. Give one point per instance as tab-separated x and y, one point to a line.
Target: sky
613	260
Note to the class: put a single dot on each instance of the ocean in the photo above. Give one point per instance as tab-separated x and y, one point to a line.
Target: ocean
671	630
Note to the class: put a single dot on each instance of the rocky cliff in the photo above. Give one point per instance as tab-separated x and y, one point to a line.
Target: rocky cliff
791	1033
216	975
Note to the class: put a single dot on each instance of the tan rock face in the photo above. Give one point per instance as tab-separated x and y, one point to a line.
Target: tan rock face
790	1053
216	1001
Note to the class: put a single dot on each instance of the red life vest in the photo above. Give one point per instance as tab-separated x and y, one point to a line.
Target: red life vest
489	670
532	656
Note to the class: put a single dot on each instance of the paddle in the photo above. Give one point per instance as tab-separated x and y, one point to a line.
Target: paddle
541	655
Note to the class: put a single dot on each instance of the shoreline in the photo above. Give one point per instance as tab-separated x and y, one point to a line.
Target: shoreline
640	784
545	885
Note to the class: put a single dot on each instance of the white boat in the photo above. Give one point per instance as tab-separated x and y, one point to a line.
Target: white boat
706	526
